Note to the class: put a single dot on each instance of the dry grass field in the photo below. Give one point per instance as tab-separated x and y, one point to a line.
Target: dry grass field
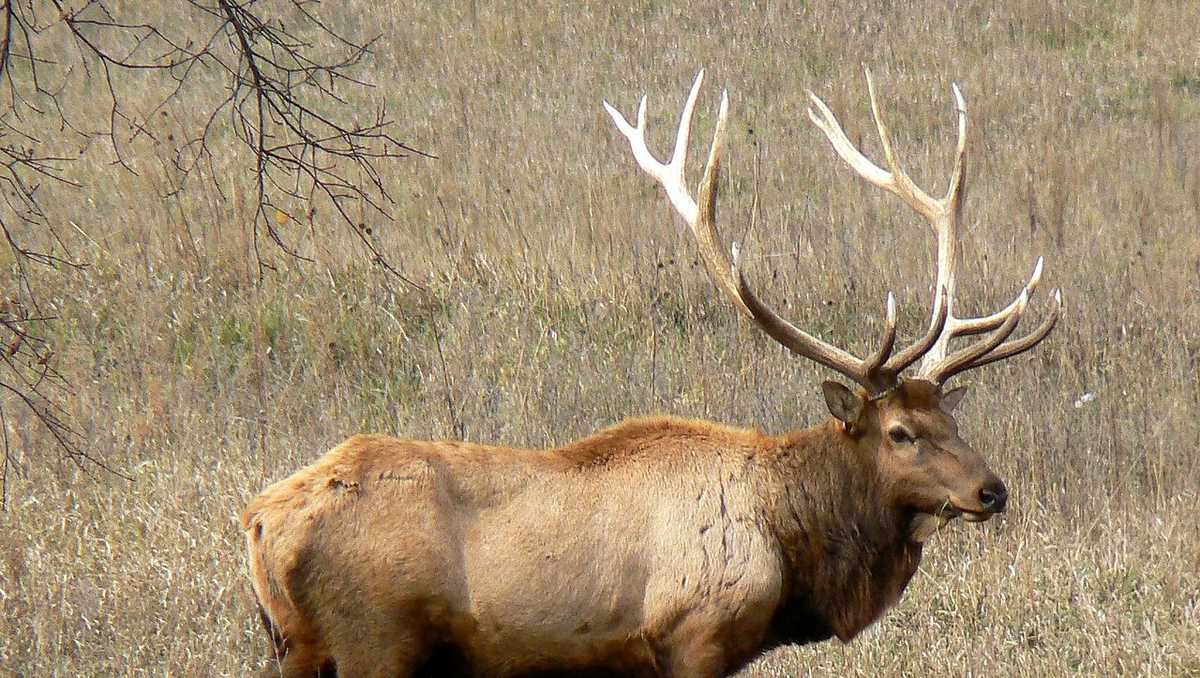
563	296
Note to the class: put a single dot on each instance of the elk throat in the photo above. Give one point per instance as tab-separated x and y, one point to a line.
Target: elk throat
849	553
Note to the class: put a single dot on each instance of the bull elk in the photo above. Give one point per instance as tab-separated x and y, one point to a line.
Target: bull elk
659	546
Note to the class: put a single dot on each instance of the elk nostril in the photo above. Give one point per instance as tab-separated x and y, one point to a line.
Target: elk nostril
987	498
994	498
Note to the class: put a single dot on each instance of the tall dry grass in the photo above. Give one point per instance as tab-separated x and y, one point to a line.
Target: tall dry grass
565	297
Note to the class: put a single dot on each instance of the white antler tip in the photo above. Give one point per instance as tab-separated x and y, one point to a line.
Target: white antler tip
870	85
696	86
1037	275
891	307
958	97
641	121
613	113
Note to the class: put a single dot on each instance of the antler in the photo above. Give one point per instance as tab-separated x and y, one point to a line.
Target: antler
879	371
942	215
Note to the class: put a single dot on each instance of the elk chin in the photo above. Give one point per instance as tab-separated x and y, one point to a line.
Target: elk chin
922	526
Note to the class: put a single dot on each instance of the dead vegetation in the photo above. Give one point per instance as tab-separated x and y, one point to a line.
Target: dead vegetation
557	304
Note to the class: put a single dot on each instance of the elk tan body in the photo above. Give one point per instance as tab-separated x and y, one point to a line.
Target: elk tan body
655	544
657	547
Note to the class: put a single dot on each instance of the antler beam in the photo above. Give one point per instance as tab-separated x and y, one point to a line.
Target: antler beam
880	370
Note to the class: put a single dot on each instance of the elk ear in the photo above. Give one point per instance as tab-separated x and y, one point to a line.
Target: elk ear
952	398
843	404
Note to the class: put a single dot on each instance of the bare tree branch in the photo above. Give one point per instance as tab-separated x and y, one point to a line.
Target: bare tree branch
289	87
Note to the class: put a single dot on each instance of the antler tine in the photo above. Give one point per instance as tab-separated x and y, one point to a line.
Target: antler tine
895	181
958	177
902	184
1015	347
828	123
873	364
993	348
701	218
902	360
669	175
961	327
961	359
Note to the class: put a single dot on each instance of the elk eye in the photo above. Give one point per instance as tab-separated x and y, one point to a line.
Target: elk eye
900	436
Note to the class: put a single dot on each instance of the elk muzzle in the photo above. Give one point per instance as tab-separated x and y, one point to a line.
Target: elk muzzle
990	499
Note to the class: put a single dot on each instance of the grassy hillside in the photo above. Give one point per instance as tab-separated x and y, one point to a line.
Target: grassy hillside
564	296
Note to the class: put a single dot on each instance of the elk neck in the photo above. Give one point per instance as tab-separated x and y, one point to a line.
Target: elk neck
845	546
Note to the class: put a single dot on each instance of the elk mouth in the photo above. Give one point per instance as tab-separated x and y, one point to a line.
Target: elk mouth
950	510
976	517
923	524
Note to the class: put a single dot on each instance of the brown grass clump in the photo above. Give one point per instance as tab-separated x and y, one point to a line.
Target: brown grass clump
564	297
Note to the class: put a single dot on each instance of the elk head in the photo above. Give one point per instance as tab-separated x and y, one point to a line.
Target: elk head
904	425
